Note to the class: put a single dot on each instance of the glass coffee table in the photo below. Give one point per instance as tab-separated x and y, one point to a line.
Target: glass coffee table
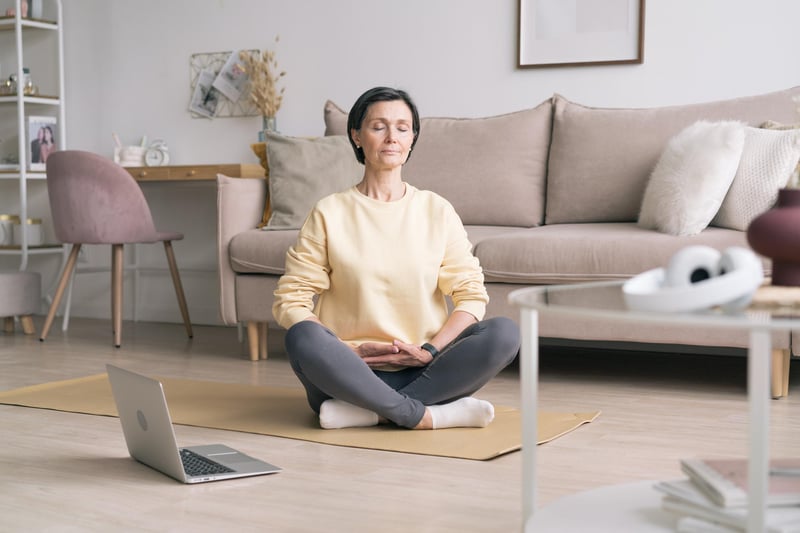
634	507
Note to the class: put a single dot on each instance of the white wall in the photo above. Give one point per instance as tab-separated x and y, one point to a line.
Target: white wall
128	72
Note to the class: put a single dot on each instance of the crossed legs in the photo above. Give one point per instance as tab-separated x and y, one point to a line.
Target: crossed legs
431	396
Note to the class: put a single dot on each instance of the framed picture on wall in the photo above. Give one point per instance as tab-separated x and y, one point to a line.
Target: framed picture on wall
558	33
42	139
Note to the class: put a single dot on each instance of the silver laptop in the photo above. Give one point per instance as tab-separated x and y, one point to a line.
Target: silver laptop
148	430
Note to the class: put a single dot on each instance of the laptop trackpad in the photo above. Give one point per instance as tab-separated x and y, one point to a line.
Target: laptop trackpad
221	454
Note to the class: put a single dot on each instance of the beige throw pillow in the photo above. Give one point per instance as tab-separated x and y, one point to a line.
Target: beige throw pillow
302	171
768	160
692	177
492	169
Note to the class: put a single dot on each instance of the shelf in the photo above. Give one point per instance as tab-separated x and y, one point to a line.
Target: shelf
27	105
7	23
37	249
10	174
39	99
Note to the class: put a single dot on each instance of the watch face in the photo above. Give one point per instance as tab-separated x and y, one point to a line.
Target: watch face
155	157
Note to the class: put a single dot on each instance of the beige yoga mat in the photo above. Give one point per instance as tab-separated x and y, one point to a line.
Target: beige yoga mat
283	412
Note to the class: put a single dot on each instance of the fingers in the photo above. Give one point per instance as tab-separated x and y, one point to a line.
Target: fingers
373	349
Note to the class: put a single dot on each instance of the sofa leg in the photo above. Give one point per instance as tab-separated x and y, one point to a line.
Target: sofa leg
252	340
262	340
8	324
27	325
780	372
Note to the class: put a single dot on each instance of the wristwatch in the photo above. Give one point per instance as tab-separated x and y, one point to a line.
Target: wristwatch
430	348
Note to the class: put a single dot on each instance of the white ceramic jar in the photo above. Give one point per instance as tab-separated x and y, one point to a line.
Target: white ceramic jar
33	229
7	229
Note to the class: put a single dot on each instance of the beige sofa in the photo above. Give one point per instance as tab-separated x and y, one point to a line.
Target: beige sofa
548	195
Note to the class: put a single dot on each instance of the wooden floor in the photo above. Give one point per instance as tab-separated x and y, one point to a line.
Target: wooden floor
71	472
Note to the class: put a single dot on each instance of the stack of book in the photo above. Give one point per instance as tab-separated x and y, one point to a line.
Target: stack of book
713	498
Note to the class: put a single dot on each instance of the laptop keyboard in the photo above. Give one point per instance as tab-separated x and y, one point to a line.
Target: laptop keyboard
197	465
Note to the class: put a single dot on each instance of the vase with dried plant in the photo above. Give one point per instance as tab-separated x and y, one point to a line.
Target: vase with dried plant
262	69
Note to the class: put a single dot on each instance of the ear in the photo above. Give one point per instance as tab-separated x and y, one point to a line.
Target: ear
692	264
355	136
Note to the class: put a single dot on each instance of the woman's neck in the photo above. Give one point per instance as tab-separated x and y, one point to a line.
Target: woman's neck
382	186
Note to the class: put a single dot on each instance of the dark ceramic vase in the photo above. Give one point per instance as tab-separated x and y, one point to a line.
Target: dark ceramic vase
776	234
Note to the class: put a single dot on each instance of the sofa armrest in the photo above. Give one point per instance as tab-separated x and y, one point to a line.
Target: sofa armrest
240	206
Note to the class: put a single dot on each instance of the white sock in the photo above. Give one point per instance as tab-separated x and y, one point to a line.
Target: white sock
336	414
467	412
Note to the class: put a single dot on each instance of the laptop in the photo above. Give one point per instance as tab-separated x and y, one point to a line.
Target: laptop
150	437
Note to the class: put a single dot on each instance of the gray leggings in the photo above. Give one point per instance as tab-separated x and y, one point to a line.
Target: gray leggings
328	368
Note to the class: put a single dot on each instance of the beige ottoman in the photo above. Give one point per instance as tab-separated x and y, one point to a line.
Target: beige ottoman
20	295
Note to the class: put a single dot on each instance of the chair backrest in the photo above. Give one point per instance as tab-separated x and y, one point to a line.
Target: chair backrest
95	201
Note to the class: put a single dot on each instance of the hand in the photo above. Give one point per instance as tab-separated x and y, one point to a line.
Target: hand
398	353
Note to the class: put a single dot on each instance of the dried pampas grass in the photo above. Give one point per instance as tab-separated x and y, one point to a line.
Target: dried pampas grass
262	69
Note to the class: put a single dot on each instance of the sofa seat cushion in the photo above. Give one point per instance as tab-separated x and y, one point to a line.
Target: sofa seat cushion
261	251
570	253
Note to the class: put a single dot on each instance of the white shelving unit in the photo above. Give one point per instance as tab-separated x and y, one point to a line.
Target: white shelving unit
25	29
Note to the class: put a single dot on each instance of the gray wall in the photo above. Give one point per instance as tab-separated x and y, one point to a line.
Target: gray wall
128	72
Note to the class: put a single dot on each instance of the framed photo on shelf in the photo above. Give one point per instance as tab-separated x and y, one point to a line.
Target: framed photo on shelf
554	33
42	139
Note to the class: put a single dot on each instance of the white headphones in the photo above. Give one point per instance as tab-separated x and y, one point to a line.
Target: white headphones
697	277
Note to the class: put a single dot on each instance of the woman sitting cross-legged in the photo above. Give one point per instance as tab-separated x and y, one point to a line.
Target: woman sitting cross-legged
379	343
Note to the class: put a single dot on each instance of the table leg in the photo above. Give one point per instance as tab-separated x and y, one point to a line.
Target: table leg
529	382
758	392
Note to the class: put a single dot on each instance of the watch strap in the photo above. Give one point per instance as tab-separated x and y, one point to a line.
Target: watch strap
430	348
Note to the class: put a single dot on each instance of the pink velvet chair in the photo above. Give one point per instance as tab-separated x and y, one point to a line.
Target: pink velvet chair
96	201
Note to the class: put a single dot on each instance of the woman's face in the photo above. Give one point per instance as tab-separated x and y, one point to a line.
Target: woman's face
386	135
48	135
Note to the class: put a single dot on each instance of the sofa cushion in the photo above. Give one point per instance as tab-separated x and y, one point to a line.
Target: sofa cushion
766	165
492	169
261	252
302	171
692	177
571	253
601	158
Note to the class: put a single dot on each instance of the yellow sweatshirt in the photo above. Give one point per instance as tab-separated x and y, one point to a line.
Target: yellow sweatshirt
381	269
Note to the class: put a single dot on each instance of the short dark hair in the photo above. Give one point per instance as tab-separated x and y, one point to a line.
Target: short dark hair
359	112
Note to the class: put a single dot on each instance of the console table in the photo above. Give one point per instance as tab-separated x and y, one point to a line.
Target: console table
195	172
631	512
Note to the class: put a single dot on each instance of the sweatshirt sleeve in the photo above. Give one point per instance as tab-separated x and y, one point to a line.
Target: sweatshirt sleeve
306	275
460	275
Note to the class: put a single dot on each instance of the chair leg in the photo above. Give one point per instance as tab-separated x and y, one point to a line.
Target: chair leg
176	281
8	324
780	372
787	359
27	325
62	284
262	340
117	257
252	340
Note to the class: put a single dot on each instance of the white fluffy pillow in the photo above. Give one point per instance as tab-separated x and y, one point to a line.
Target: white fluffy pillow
692	177
768	160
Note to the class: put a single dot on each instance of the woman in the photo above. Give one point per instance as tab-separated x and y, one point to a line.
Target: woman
379	344
47	145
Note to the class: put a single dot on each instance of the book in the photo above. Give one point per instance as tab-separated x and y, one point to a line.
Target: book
683	498
725	480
